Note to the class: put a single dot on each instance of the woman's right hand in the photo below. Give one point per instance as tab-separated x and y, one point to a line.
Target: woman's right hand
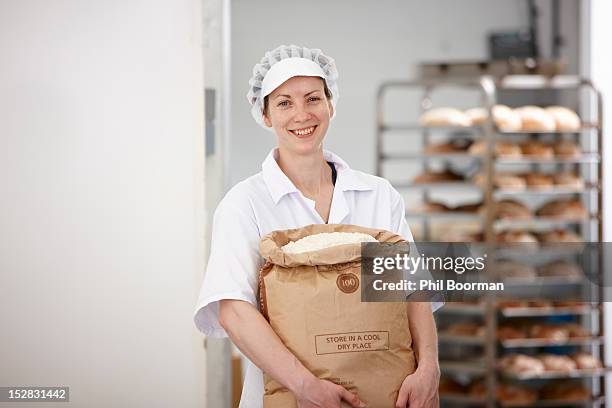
317	393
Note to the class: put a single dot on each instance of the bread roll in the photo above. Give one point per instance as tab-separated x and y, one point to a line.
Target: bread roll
549	332
520	364
586	361
511	269
565	391
576	330
564	269
506	181
457	145
515	394
567	149
439	148
477	148
431	207
477	116
510	237
444	117
540	303
512	209
477	389
559	363
537	150
509	332
554	362
505	393
560	236
464	329
462	236
568	180
569	303
503	149
536	119
505	118
470	208
566	120
437	177
539	181
565	209
448	386
507	150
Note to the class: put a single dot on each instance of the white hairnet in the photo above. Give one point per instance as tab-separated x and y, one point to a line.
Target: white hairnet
294	61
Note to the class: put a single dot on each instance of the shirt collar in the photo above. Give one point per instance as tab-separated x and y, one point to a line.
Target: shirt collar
279	185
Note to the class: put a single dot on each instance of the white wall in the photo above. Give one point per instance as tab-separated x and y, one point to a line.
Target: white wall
371	41
101	216
601	66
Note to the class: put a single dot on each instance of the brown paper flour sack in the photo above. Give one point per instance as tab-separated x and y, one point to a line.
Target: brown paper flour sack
313	302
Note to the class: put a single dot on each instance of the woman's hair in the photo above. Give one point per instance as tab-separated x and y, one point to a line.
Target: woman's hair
328	95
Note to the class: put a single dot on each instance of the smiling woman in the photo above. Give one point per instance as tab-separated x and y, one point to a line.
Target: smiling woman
293	93
299	113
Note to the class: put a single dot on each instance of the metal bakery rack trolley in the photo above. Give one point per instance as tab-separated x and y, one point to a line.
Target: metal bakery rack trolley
479	379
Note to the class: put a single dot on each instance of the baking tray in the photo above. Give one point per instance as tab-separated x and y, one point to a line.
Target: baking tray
572	341
548	311
461	340
598	372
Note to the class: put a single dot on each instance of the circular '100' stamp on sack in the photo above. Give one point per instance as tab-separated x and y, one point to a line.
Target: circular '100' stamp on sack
347	282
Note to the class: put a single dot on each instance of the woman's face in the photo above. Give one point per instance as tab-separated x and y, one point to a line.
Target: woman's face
299	112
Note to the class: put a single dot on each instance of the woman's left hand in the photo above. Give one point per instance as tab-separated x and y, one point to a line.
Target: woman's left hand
420	389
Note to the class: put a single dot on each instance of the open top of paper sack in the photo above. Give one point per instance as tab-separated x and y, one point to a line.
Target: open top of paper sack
271	245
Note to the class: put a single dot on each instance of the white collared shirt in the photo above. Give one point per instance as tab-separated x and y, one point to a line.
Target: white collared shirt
266	202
